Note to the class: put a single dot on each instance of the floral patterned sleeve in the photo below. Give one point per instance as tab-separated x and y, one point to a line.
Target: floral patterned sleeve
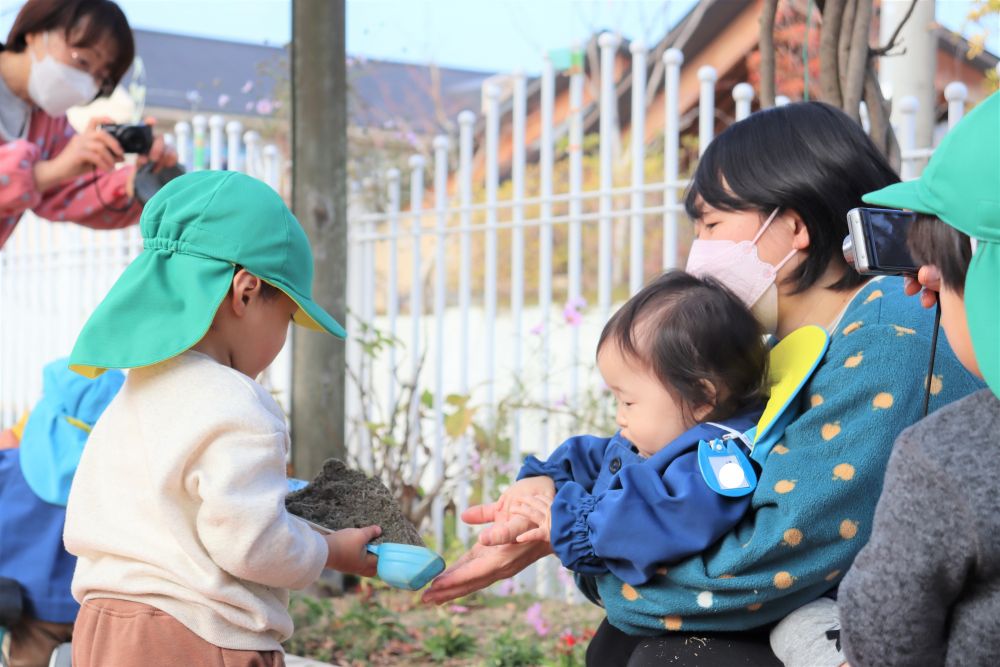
94	200
97	200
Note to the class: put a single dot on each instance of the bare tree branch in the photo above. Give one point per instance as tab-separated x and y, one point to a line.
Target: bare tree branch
767	17
882	50
829	75
857	60
881	130
844	43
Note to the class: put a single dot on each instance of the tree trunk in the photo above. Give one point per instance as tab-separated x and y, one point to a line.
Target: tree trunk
833	15
319	196
767	16
844	43
857	61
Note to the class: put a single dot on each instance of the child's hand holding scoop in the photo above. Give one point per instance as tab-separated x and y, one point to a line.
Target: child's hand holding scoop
349	553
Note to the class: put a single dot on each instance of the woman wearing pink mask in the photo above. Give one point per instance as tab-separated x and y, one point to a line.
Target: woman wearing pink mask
59	54
769	200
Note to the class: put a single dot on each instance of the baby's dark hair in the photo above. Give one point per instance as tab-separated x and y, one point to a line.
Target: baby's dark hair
688	330
932	241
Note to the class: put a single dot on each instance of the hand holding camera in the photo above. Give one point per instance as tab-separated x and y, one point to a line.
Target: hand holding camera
91	149
156	164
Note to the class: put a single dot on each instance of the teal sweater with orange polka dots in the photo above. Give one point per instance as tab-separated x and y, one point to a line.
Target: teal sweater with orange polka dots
812	511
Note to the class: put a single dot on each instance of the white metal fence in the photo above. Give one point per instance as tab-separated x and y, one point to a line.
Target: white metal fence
494	326
53	275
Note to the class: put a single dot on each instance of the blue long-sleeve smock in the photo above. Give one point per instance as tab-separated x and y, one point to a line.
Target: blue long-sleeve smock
616	511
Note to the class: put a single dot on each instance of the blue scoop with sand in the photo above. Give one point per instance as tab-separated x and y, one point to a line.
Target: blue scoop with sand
405	565
400	565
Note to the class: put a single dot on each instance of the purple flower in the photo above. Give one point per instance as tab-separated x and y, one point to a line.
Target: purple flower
538	329
223	100
264	107
247	87
507	587
458	609
572	310
572	317
534	617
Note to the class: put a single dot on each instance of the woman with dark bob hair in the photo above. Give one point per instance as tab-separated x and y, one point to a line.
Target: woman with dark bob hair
769	202
59	54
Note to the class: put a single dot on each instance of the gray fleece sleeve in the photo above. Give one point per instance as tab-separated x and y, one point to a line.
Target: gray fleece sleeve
894	601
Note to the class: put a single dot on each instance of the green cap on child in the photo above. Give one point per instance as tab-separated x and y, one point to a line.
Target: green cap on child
195	231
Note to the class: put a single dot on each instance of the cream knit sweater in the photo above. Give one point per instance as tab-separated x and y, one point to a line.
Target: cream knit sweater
178	503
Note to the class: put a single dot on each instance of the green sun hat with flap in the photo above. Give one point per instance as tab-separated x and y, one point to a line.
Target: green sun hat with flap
195	231
961	186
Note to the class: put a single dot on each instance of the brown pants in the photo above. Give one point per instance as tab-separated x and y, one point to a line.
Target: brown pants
129	634
32	642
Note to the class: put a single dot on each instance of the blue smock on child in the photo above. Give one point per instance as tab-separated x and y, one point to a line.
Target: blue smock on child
616	511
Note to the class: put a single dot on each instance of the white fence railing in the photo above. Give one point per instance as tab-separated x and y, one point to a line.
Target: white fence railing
492	328
53	275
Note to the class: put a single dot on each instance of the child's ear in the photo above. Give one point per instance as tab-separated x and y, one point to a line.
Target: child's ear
702	411
246	287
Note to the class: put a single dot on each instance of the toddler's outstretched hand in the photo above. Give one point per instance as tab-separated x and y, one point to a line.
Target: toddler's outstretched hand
507	526
538	510
348	553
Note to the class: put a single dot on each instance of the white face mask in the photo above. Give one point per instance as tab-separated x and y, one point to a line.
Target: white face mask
56	86
737	265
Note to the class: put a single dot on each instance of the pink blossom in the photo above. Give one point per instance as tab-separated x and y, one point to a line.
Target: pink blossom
534	617
249	106
507	587
458	609
572	317
264	107
223	100
247	87
538	329
572	310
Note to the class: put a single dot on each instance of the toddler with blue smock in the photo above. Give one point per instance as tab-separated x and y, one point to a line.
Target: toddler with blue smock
686	362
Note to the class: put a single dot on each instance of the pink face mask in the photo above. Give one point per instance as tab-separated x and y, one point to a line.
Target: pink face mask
737	265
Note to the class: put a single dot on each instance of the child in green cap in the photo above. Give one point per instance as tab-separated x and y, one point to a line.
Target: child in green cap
926	589
177	510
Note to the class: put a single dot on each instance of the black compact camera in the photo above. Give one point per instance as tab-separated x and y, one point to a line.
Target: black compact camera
133	138
876	242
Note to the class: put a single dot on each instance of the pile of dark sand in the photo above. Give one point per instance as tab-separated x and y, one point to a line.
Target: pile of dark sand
343	498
